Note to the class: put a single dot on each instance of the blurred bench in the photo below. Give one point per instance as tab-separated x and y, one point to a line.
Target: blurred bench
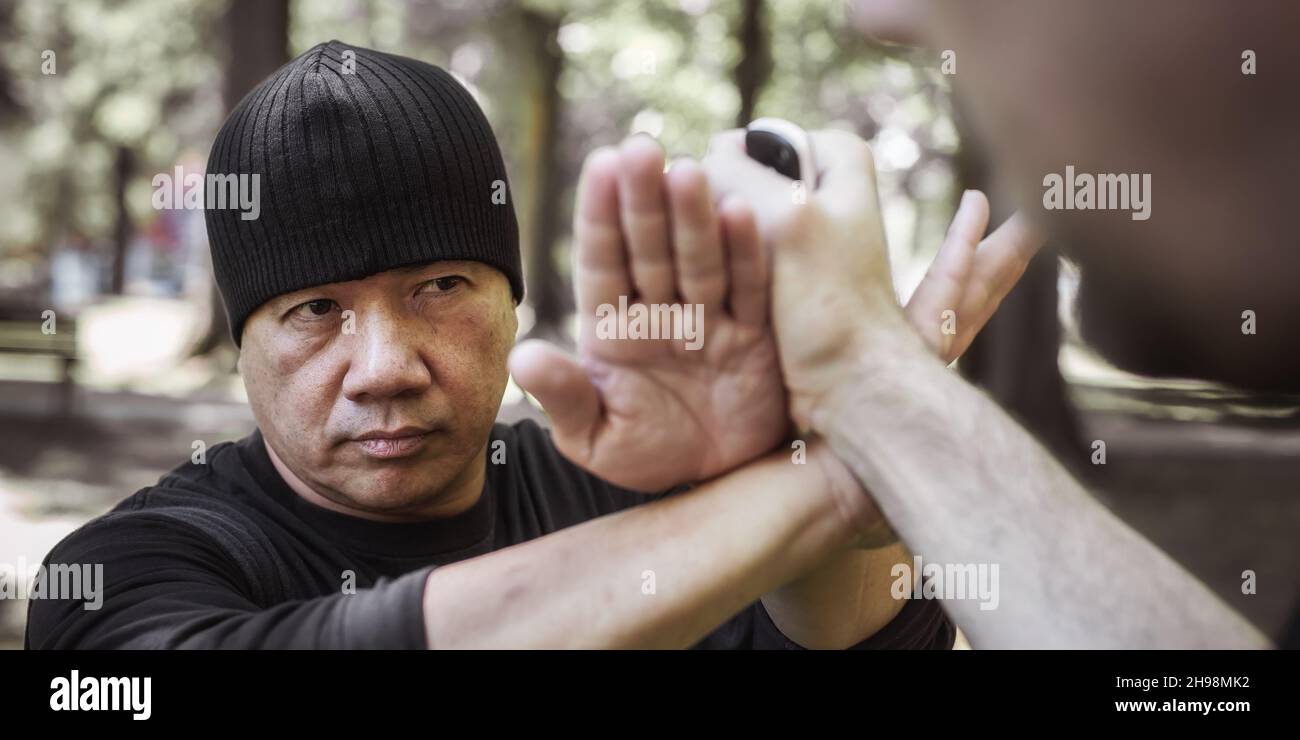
26	338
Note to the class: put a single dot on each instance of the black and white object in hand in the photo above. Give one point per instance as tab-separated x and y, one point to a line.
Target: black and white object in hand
783	146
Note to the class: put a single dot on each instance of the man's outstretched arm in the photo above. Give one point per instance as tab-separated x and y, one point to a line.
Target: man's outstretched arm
712	551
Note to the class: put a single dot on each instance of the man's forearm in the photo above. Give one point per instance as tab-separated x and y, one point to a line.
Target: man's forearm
963	484
708	553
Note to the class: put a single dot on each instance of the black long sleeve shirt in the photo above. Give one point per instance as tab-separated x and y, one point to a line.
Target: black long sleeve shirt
226	555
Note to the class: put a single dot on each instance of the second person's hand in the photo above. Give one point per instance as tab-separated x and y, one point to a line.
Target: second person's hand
832	295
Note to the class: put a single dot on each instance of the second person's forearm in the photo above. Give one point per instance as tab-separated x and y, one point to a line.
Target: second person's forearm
964	485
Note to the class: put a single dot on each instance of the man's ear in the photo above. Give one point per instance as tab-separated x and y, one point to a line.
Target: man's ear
514	317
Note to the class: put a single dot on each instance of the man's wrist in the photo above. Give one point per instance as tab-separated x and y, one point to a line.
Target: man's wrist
883	351
865	522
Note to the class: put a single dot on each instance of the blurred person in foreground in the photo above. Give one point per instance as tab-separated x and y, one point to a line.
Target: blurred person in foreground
377	504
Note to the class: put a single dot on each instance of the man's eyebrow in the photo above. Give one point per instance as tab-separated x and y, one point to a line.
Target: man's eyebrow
414	268
288	300
446	264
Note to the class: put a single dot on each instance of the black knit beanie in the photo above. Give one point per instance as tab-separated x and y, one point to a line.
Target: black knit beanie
366	162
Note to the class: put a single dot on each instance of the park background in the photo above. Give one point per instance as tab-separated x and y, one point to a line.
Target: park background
142	365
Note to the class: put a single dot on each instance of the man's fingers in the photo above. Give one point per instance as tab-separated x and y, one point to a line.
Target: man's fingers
944	284
999	262
563	388
697	239
746	262
601	269
644	213
968	224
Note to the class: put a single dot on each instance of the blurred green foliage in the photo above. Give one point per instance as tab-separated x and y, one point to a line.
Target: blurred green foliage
136	74
146	75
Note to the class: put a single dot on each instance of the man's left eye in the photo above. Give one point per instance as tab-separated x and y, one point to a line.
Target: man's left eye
315	309
448	283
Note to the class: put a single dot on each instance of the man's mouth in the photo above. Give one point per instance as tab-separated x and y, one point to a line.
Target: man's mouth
386	445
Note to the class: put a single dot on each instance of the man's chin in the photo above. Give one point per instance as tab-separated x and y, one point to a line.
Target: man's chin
401	485
397	496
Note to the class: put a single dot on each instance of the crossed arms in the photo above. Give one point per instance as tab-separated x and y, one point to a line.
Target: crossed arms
803	329
802	337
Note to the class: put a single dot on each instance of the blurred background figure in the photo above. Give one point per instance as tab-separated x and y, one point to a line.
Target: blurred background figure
97	98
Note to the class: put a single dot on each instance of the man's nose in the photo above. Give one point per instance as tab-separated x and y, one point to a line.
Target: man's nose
385	361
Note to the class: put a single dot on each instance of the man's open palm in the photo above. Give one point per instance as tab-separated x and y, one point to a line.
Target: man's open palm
651	413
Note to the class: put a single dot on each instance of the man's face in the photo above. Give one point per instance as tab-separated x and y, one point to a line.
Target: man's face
379	394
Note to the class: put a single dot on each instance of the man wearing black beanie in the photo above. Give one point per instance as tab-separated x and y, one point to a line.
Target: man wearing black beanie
378	504
368	162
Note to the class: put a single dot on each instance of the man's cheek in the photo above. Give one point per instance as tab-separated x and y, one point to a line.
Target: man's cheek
295	353
296	405
488	331
472	371
473	364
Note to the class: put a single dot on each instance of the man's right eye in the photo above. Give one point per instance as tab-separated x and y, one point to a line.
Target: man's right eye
315	309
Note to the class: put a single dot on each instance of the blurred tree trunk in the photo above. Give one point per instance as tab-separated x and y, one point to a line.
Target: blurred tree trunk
755	66
544	184
1014	358
10	107
257	38
123	228
257	33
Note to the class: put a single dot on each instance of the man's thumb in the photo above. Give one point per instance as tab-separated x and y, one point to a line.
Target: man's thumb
560	384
